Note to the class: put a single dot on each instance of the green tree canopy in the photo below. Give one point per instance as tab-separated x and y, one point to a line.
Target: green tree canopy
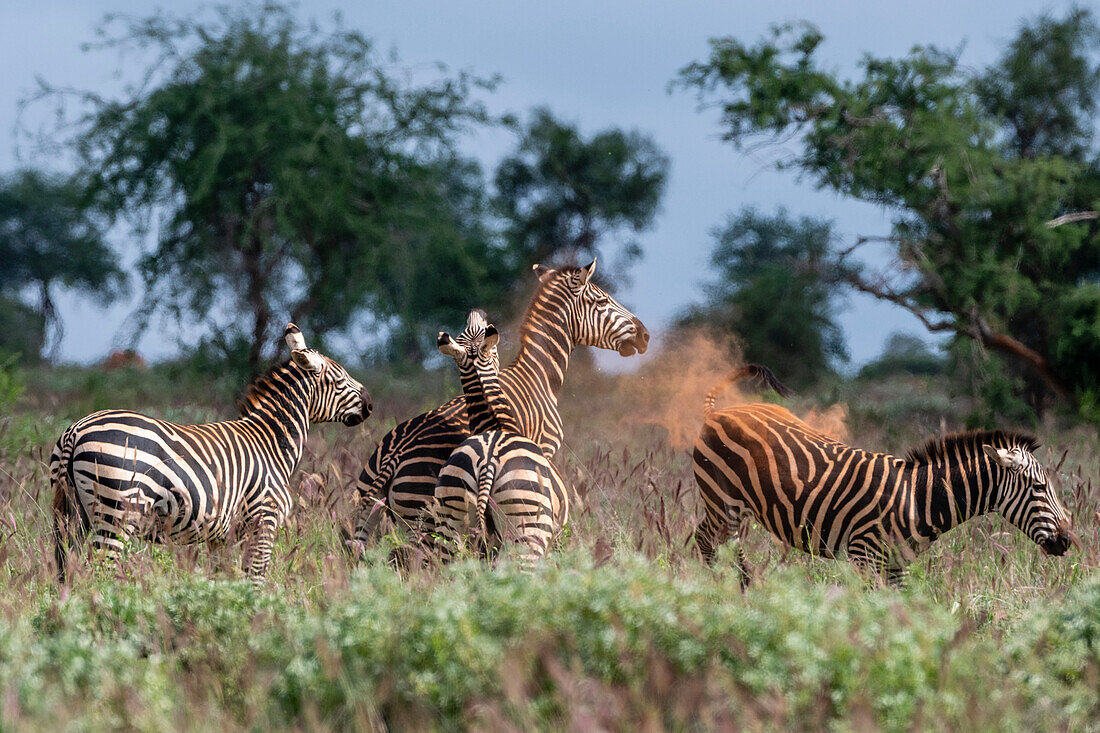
561	195
768	293
905	354
47	239
992	177
288	171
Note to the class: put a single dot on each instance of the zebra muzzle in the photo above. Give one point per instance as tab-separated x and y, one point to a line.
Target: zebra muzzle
367	407
1058	544
638	343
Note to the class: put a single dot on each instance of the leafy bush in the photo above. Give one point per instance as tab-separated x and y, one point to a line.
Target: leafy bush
626	643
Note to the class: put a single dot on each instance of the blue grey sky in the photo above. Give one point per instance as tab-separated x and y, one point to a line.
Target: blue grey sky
597	63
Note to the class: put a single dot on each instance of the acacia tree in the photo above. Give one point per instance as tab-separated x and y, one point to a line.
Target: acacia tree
47	239
278	164
762	291
561	195
992	177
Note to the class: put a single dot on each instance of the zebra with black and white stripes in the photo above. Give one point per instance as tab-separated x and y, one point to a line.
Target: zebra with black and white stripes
118	474
567	310
759	461
497	485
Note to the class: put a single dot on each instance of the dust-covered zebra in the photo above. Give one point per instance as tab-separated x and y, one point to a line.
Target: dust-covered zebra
118	474
759	461
497	486
567	310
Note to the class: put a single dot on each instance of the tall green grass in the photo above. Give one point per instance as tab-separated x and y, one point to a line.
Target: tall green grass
621	628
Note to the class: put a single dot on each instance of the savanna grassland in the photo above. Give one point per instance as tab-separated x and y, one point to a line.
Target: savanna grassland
622	628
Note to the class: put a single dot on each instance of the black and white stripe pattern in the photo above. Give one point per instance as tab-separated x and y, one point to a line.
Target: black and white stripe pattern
118	474
568	310
817	494
497	486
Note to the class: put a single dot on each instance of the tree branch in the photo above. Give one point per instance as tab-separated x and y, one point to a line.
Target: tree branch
977	328
1071	218
1008	345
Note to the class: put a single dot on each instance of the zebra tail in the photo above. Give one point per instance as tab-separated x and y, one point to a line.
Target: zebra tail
63	514
375	488
485	481
756	371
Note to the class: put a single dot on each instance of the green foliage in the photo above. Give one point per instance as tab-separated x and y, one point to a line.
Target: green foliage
47	238
292	173
561	194
904	354
12	383
22	329
766	289
482	646
973	166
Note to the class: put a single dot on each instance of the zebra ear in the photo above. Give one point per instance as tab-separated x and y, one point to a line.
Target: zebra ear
1001	457
294	338
590	270
448	346
311	361
543	272
492	337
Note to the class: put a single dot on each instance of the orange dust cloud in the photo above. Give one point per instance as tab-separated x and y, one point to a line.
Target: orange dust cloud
831	420
669	390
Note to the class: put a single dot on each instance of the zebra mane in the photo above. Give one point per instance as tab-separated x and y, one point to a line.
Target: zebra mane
971	441
560	274
258	386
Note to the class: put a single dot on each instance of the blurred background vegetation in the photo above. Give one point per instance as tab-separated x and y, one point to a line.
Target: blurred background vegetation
280	170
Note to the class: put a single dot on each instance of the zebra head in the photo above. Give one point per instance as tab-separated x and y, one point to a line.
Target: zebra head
476	347
336	395
595	318
1026	499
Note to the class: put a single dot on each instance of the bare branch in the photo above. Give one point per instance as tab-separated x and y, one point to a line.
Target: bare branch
882	292
1071	218
977	329
862	240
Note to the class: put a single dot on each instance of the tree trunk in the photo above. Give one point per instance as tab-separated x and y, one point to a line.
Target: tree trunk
261	314
48	313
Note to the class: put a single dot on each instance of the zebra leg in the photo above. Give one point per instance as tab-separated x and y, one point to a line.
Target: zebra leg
871	562
532	549
110	532
70	525
261	539
529	530
372	520
896	575
715	531
709	534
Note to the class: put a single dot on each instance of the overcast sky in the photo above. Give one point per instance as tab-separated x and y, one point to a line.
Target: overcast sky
597	63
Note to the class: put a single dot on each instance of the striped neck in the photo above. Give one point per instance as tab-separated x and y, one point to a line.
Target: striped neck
487	408
946	494
279	402
953	480
546	340
478	414
494	401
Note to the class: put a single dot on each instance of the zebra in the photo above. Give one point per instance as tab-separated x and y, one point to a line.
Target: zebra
530	498
567	310
759	461
119	474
